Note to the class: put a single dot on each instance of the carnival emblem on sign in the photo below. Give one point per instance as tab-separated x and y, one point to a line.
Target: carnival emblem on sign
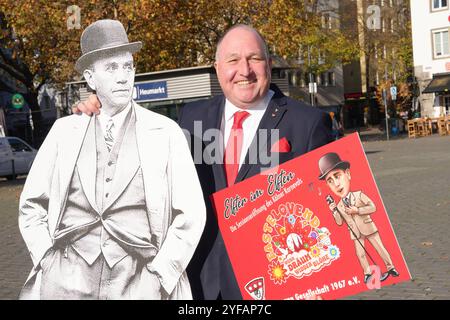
255	288
295	244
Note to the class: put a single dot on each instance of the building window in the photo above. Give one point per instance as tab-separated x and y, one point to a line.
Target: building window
384	52
382	3
301	77
439	4
295	78
392	25
323	79
326	21
321	58
440	43
383	25
46	102
331	79
326	79
447	104
300	54
292	79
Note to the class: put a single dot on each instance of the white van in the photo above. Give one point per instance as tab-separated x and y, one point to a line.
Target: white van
16	157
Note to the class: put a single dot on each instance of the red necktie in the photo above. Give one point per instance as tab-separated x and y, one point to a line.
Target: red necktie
234	146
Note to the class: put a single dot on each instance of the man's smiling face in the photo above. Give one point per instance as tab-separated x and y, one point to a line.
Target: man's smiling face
243	68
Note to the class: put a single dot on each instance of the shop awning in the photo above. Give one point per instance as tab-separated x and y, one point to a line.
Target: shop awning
440	83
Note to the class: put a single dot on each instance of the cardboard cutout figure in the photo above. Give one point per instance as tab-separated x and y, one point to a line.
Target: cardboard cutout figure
104	211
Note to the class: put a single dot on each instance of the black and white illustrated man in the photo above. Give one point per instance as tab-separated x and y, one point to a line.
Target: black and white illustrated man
112	207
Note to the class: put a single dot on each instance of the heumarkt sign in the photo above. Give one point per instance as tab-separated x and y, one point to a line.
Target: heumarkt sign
17	101
147	91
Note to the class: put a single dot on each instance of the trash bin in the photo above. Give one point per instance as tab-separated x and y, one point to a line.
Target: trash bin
394	126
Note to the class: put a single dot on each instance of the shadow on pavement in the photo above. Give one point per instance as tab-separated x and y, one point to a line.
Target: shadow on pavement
10	183
375	134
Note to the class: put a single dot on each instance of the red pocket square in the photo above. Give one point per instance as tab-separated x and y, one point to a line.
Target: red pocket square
281	145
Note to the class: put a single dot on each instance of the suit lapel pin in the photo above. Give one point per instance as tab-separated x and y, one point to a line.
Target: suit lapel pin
274	114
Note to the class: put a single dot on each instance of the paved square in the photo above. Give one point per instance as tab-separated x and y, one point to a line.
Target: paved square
413	177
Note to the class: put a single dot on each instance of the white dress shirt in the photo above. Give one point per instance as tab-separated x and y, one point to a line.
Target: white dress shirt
118	119
250	124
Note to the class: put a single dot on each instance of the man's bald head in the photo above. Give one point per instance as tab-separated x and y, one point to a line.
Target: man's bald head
245	27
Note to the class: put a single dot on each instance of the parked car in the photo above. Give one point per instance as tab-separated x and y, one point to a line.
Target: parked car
16	157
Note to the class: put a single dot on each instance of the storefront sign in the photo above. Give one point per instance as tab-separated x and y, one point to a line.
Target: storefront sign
150	91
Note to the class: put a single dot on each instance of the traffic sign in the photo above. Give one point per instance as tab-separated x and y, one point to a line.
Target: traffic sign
17	101
313	87
394	92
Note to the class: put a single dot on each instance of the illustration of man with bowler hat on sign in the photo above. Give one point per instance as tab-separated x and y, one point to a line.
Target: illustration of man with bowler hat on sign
112	207
355	209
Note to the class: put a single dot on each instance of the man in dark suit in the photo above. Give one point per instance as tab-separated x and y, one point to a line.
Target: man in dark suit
243	68
247	118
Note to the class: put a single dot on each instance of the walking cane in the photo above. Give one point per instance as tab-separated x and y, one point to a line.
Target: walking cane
330	200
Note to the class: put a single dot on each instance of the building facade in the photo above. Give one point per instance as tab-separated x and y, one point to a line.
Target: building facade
327	88
375	24
167	91
431	51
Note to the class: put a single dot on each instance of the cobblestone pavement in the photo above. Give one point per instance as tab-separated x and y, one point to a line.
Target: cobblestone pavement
15	262
413	178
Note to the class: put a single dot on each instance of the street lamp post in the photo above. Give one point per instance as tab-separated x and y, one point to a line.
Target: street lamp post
386	114
311	80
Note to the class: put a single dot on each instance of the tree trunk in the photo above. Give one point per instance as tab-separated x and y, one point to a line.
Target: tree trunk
368	90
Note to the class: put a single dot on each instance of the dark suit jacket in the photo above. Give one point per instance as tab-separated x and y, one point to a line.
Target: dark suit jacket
305	127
